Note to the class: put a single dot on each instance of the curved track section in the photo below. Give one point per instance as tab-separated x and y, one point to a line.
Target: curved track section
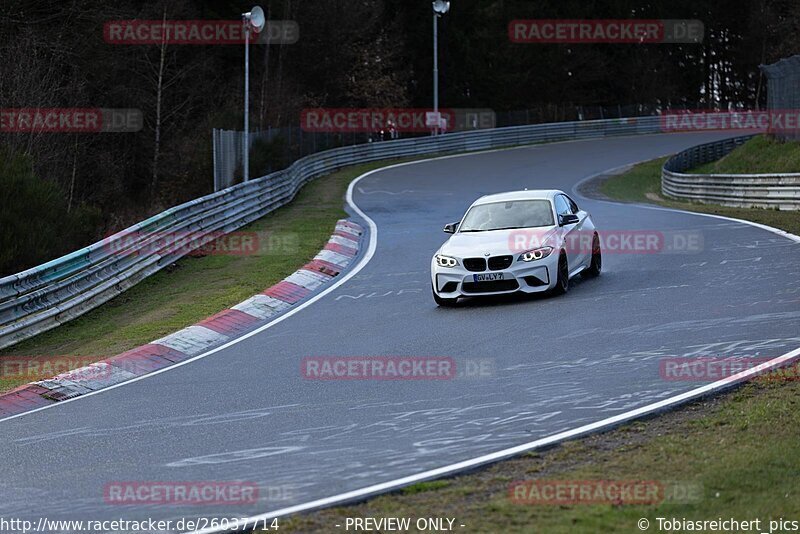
246	413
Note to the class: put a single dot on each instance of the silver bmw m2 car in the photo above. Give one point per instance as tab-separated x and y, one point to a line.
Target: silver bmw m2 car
529	241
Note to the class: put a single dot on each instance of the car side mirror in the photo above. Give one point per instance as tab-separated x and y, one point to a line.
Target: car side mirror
450	228
570	218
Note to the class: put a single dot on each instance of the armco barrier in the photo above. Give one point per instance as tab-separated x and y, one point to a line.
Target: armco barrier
781	191
46	296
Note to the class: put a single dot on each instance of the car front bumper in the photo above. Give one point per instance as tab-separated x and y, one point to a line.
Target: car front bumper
527	277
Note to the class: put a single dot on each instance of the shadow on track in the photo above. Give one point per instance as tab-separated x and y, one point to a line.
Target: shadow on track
518	298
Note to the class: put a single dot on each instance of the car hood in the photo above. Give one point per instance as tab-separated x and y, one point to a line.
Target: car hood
497	242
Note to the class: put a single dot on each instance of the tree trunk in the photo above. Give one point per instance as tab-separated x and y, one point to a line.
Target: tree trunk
72	180
159	88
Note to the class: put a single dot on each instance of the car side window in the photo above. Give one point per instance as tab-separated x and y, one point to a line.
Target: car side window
562	206
574	207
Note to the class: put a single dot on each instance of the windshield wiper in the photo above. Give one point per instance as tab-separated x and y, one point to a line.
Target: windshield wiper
493	229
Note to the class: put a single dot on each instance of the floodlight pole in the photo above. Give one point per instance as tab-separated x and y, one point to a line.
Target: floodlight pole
440	7
246	147
252	20
436	69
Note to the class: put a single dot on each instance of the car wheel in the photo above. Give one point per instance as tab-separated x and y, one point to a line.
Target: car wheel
562	282
596	265
443	302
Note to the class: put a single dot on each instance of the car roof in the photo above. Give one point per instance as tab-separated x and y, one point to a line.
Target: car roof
532	194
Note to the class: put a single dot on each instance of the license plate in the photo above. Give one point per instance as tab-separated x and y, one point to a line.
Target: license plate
488	277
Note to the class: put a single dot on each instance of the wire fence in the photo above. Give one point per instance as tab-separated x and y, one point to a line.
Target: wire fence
277	148
783	93
272	149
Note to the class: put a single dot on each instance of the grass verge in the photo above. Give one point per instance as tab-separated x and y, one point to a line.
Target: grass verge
760	154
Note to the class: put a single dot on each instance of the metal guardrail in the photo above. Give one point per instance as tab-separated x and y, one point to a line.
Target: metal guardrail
51	294
781	191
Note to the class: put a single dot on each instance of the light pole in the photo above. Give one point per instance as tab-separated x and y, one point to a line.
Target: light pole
440	7
253	20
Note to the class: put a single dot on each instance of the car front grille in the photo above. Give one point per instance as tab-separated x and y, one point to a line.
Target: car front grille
489	287
476	265
498	263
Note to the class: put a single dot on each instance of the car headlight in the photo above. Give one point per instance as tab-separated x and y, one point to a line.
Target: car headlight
536	254
445	261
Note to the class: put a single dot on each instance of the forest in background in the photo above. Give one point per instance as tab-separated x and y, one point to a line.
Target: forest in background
59	192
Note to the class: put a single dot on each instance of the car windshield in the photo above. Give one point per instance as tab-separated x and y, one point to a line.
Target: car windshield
508	215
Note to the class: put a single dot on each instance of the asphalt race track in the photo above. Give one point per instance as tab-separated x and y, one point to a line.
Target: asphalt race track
549	364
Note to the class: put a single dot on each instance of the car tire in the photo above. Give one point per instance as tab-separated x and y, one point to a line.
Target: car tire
596	265
443	302
562	280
